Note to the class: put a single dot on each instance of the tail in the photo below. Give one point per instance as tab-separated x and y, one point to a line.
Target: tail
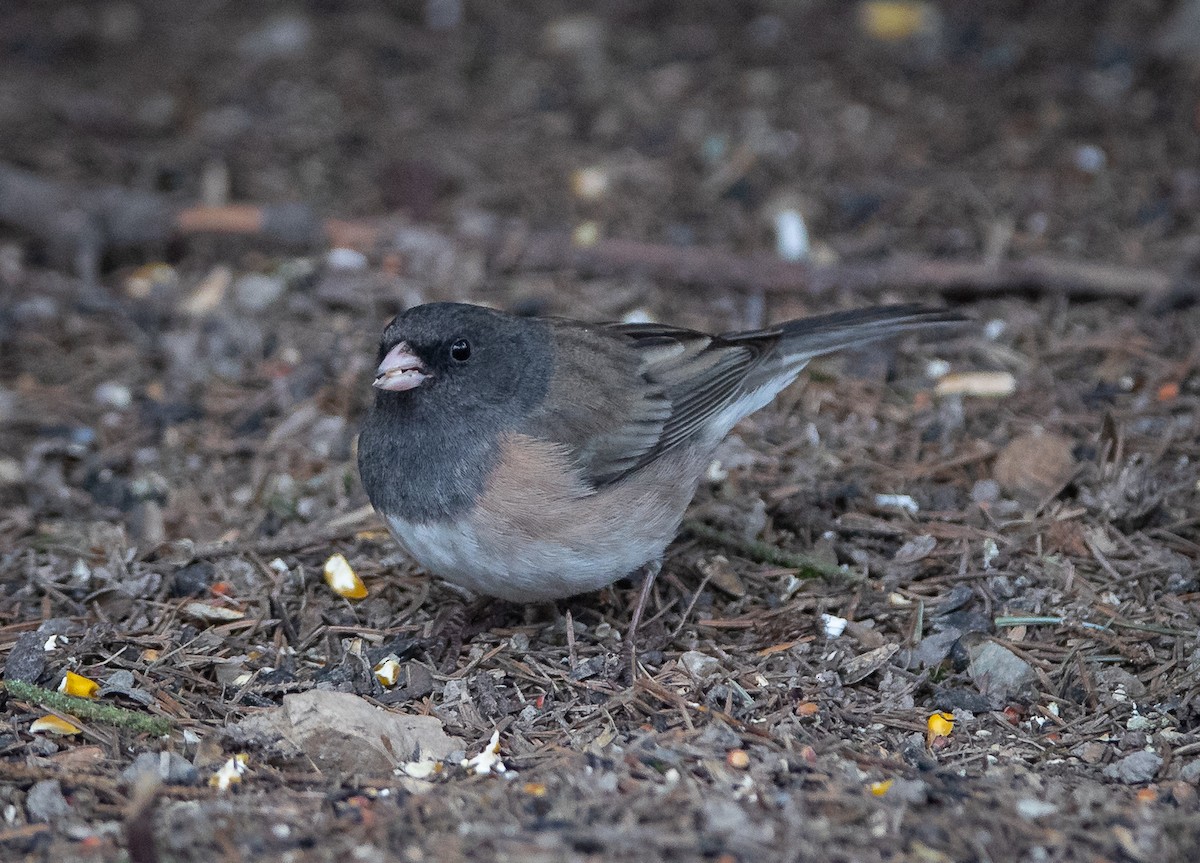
801	340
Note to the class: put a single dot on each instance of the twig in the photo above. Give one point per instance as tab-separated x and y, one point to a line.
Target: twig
272	547
716	267
1055	620
807	565
81	224
86	709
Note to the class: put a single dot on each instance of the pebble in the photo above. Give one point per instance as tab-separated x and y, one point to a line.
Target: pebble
994	328
590	184
34	310
791	236
171	768
120	23
1191	772
282	36
1135	768
10	471
999	673
581	36
346	259
443	15
111	394
255	291
27	658
934	648
833	625
985	491
12	263
899	501
45	801
1119	684
766	30
699	665
937	368
1090	159
1030	808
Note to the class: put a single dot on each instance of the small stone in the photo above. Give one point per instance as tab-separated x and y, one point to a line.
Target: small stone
934	648
1139	723
113	395
578	36
255	291
1091	752
985	491
1135	768
27	659
8	405
791	235
915	792
699	665
338	731
1030	808
1190	772
999	673
346	259
1119	684
34	310
45	801
10	471
916	549
286	35
590	183
1090	159
171	768
443	15
123	683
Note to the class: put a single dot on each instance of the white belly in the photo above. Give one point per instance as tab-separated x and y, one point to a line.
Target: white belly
520	569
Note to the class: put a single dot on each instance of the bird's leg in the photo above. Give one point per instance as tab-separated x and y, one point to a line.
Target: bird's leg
447	632
651	571
459	620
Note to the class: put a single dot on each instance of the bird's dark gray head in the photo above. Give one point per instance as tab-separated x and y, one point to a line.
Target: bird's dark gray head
463	359
452	378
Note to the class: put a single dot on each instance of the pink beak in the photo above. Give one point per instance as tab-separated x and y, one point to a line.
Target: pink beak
400	370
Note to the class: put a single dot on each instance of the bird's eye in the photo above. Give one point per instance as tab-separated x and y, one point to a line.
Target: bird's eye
460	351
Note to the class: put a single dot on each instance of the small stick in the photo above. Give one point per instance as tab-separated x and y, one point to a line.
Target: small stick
807	565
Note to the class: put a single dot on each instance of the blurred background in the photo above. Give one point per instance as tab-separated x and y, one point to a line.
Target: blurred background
209	209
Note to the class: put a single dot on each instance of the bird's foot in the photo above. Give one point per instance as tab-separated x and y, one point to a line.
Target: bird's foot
650	572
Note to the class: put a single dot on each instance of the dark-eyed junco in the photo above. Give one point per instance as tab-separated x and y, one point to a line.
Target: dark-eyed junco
536	458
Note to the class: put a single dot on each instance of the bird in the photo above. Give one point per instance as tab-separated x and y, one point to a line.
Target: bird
535	458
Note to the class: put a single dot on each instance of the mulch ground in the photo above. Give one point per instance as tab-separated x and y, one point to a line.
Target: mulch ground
885	543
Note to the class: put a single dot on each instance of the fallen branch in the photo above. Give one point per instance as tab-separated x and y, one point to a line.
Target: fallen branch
903	274
80	225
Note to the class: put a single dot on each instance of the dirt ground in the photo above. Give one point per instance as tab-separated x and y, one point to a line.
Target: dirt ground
177	437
